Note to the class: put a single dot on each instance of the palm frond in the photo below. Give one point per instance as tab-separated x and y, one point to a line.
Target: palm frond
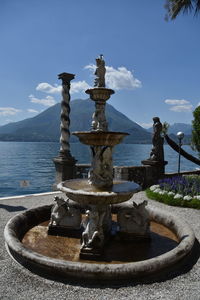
175	7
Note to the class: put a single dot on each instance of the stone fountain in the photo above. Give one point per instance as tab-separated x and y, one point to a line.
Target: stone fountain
99	191
96	233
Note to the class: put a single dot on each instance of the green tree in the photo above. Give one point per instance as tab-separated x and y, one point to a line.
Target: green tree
165	127
195	141
175	7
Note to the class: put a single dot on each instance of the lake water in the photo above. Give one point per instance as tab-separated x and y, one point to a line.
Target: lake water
32	162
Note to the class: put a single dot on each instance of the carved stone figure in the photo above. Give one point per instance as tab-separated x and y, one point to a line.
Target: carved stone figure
157	152
97	221
65	111
99	122
101	174
134	220
100	72
64	215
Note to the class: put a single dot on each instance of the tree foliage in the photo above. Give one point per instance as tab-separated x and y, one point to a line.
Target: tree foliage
195	142
175	7
165	127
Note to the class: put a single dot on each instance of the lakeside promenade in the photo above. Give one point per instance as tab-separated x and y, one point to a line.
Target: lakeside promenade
17	282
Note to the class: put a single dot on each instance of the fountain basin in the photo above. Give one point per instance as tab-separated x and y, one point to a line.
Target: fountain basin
62	269
100	138
81	191
99	93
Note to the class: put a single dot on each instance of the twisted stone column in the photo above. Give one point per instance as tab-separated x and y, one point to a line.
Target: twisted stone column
65	111
65	162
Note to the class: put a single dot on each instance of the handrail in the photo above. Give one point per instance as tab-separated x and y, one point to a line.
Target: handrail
175	147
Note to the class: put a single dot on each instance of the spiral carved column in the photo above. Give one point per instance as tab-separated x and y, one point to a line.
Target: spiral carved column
65	111
65	162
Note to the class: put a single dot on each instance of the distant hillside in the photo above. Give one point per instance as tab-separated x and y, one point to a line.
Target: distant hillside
176	127
46	125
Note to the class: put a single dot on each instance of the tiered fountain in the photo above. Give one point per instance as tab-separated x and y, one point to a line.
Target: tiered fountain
128	240
99	191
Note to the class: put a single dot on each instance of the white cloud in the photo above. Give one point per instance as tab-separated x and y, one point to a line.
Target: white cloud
118	79
79	86
9	111
121	78
146	125
76	87
182	108
48	101
30	110
181	105
176	102
48	88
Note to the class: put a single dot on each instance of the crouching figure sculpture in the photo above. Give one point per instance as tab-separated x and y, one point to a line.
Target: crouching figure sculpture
133	221
97	225
64	216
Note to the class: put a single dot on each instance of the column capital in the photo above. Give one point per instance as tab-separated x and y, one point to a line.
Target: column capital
66	77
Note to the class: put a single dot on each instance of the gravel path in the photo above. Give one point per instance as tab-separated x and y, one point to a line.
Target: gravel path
18	283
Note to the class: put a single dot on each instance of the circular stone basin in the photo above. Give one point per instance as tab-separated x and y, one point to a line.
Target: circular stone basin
115	251
82	192
100	94
27	242
100	138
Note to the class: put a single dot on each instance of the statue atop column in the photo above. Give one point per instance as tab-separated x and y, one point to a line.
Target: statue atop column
100	72
157	153
156	158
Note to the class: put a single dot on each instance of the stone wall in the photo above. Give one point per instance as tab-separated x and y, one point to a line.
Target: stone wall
143	175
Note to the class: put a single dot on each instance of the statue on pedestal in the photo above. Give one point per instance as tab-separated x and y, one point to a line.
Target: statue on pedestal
100	72
157	153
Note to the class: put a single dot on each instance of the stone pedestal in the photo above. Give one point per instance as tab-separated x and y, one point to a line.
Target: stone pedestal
159	165
65	169
99	96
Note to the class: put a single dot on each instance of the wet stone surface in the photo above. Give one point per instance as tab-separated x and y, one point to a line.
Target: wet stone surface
68	248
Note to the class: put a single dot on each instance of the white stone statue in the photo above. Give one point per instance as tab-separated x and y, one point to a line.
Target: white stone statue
64	215
99	122
100	72
134	220
96	223
101	173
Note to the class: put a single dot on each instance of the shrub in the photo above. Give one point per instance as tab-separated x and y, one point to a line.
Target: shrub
177	191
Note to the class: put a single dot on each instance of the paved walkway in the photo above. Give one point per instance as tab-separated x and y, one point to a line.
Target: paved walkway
18	283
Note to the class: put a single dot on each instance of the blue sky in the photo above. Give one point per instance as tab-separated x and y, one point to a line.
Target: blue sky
152	65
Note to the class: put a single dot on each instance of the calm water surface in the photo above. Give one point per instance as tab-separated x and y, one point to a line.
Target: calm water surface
33	163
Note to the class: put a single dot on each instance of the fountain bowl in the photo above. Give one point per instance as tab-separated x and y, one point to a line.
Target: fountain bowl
100	138
101	94
60	269
81	191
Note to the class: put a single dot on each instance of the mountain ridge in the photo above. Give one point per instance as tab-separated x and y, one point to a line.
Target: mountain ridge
46	125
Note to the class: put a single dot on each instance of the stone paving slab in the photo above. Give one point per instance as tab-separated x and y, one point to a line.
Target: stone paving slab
18	283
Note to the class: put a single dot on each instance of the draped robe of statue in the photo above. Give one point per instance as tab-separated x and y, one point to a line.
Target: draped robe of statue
157	152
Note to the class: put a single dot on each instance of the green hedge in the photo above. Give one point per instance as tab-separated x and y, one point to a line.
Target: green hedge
194	203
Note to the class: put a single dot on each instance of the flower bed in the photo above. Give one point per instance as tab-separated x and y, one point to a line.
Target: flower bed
177	191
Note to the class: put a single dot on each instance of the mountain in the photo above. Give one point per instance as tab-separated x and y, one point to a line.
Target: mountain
176	127
46	125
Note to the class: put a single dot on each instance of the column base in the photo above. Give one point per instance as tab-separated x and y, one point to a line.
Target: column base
65	169
91	254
